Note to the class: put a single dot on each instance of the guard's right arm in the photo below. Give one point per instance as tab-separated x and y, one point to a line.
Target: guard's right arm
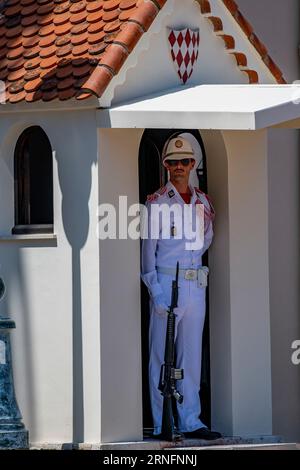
149	245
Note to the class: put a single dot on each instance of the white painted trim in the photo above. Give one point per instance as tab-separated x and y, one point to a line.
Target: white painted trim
227	107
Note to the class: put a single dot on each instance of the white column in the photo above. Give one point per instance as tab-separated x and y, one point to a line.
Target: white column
120	316
219	286
249	282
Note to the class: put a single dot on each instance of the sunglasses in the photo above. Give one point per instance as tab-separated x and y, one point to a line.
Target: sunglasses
183	162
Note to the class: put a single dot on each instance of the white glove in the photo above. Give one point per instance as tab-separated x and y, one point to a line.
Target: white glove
160	305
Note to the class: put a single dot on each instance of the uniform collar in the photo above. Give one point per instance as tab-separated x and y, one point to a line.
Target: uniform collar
171	189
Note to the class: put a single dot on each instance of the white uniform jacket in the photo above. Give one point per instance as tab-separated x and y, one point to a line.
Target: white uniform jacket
158	252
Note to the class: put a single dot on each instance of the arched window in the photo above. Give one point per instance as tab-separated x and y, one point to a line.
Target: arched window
33	183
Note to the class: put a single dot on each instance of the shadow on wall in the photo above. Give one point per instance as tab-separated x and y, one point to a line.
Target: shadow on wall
75	184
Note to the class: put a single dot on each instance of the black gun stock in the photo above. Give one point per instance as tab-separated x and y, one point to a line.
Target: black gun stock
169	374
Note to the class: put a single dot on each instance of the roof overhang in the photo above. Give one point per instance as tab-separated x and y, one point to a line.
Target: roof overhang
224	107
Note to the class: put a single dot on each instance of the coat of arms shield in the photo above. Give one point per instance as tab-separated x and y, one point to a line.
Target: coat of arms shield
184	44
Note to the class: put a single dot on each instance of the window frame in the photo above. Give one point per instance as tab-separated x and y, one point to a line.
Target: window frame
22	188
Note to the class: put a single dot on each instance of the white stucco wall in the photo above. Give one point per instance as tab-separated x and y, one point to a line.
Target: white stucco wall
121	367
53	285
284	222
249	282
255	385
277	24
219	285
240	334
150	68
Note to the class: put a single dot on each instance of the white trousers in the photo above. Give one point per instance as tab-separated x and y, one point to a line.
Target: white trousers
188	343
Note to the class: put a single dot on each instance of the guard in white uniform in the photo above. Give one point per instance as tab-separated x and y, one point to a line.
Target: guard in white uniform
159	258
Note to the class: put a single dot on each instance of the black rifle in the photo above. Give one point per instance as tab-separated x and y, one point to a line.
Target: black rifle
168	373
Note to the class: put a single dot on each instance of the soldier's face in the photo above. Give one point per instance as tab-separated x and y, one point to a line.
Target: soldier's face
178	171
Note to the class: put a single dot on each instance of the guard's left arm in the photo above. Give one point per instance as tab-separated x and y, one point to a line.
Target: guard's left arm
209	217
208	235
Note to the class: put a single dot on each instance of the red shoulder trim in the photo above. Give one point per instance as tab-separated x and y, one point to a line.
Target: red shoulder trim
209	213
152	197
161	190
157	194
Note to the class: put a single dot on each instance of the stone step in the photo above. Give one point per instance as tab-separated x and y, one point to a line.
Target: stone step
154	444
278	446
226	443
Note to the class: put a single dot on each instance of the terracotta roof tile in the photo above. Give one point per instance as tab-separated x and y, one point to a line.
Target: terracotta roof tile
95	6
126	4
59	49
54	49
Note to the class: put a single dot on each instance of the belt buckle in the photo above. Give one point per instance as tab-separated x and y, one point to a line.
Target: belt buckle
190	275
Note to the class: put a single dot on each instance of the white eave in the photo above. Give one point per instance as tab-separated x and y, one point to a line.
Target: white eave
226	107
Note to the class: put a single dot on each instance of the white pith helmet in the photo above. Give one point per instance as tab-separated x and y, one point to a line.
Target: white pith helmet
177	149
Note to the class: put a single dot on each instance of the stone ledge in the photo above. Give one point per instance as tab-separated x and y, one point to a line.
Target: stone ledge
278	446
28	237
152	444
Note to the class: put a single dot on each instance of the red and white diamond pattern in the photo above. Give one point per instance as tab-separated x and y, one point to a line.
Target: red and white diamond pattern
184	50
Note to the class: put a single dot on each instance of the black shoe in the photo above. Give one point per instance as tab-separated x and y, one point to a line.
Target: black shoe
177	436
203	433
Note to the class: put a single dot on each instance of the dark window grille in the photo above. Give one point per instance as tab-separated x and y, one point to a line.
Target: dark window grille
33	172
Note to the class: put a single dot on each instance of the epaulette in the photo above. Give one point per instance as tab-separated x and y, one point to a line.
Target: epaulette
152	197
161	190
157	194
209	211
200	193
